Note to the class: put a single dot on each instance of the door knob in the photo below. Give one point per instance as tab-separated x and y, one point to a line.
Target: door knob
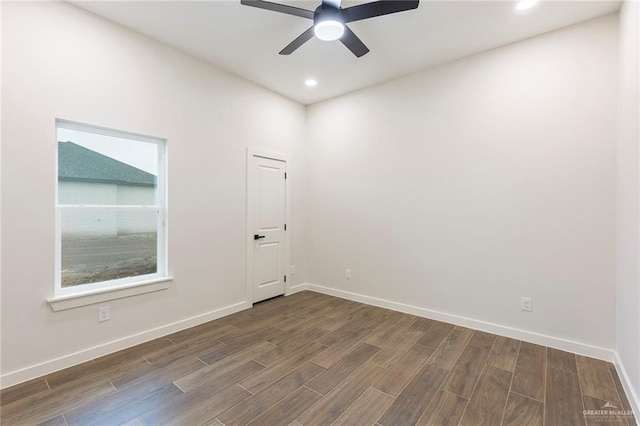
257	237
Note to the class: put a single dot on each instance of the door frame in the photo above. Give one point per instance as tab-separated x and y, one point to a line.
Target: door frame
257	152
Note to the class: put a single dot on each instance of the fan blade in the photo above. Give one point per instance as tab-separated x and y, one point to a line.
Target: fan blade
302	39
377	8
353	43
289	10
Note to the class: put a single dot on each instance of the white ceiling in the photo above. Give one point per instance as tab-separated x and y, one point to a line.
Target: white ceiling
245	41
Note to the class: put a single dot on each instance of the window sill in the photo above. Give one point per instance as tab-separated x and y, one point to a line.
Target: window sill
70	301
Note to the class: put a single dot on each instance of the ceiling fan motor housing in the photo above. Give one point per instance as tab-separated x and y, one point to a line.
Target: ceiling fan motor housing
328	23
327	12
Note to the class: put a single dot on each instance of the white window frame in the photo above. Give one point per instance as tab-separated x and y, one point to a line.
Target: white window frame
150	282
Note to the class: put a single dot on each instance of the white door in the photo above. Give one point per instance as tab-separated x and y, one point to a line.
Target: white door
267	218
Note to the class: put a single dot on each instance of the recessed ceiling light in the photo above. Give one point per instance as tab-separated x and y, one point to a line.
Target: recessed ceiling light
310	82
525	4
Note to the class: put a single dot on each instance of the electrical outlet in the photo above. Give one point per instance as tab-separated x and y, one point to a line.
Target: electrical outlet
293	269
103	314
525	304
347	274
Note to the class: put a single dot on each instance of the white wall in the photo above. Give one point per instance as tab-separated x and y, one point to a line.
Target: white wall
61	62
628	232
1	80
461	188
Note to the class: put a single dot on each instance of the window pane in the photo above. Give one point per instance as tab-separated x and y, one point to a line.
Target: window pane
106	170
107	245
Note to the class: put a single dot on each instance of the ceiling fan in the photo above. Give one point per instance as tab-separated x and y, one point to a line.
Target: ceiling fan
329	20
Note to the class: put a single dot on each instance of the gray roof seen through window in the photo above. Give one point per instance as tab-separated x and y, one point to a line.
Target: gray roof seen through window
80	164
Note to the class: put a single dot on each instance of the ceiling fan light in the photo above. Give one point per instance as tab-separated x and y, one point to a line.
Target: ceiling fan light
525	4
328	30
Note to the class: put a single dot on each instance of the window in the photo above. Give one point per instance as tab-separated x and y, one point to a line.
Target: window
110	210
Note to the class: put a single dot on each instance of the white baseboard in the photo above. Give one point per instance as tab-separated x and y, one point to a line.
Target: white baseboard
296	288
38	370
514	333
632	394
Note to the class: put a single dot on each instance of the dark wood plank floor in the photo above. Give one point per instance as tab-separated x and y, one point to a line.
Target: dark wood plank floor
312	359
